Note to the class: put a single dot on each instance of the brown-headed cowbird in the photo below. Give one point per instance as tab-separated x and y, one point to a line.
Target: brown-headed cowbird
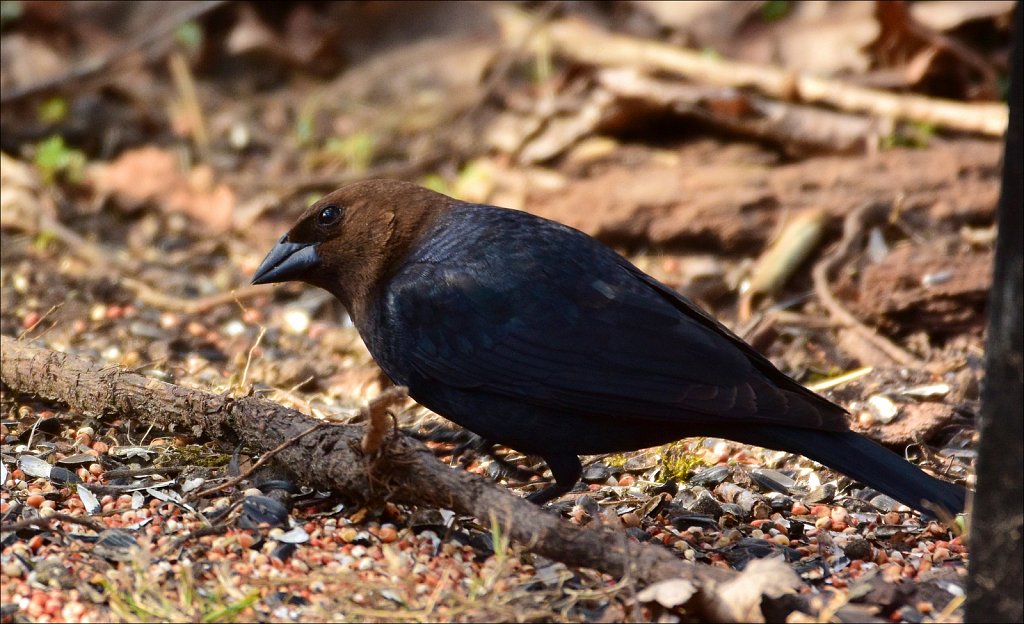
533	335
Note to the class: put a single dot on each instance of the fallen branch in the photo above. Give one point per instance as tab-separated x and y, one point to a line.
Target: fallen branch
406	472
795	127
589	45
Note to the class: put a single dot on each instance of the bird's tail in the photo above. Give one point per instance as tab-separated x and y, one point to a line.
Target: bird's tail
873	465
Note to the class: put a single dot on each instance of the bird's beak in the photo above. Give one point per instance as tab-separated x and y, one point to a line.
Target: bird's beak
286	261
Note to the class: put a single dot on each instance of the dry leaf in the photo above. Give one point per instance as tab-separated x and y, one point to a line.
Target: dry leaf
945	16
739	600
150	175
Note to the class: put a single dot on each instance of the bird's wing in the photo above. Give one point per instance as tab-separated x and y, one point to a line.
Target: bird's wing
582	335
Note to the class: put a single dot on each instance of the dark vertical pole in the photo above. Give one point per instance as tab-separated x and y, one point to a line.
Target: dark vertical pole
996	591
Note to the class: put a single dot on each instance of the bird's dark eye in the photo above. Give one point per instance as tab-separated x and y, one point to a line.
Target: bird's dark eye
329	215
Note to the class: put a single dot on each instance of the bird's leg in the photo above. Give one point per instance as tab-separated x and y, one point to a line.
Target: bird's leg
566	469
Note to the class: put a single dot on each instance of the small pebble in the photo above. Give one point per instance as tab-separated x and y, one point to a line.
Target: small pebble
72	611
234	328
859	549
721	451
296	321
31	319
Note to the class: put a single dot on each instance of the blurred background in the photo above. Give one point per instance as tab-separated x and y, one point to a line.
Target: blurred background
822	176
173	141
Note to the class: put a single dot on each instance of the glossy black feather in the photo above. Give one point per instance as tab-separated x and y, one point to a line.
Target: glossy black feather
501	302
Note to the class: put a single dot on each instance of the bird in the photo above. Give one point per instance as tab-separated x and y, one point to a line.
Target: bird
533	335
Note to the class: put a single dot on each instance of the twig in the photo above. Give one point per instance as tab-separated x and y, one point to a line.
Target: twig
217	529
88	68
505	58
262	460
157	299
588	45
853	230
252	349
101	489
42	318
43	522
797	128
832	382
128	473
186	85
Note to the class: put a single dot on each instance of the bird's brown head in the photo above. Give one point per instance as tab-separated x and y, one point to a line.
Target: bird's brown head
353	238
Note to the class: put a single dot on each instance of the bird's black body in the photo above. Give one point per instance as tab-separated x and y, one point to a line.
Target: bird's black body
534	335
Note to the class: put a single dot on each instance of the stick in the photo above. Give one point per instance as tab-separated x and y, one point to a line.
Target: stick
406	471
588	45
853	231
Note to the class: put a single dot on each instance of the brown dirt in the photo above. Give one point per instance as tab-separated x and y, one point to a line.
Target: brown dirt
726	200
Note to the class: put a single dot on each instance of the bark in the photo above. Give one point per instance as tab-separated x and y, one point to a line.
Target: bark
997	527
